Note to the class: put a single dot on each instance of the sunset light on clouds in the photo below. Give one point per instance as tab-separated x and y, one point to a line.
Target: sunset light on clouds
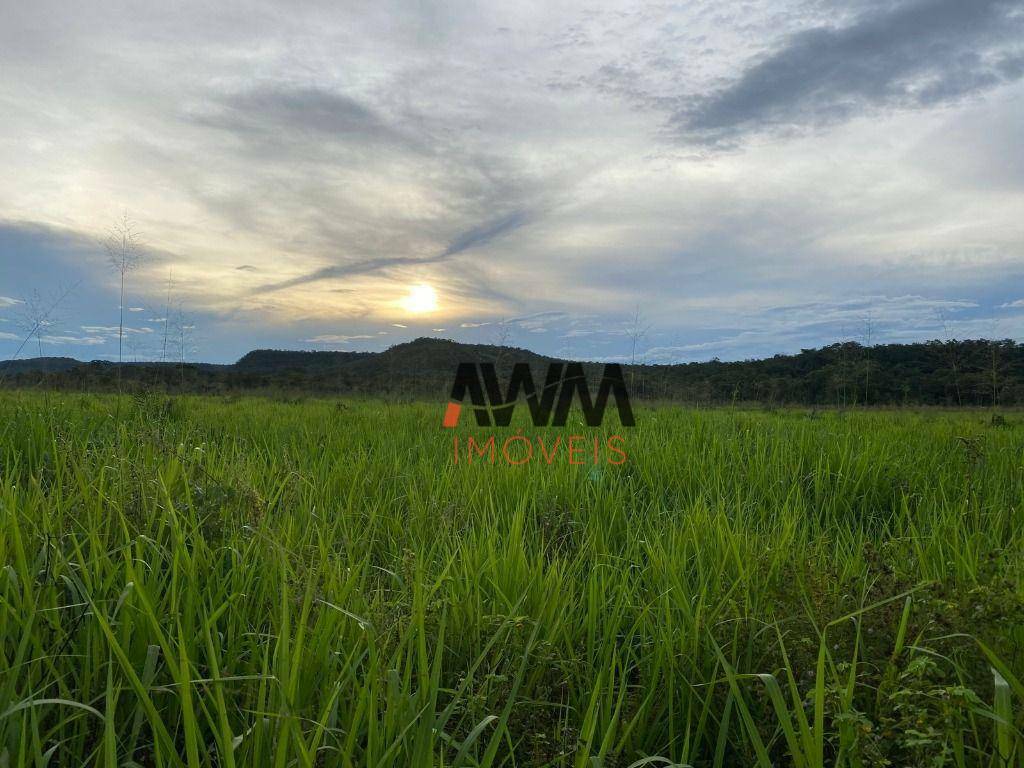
299	170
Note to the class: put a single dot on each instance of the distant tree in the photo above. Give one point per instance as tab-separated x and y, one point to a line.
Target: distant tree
636	332
136	346
568	340
998	353
37	319
994	358
183	329
125	253
952	350
166	318
869	329
502	333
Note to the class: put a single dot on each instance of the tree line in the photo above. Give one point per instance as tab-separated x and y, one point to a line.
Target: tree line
954	373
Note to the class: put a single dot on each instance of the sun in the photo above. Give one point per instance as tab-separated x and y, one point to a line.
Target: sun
420	300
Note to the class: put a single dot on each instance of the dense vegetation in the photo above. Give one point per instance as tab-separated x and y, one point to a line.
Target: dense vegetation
223	581
954	373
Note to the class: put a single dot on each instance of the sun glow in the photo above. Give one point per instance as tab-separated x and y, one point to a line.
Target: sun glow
420	300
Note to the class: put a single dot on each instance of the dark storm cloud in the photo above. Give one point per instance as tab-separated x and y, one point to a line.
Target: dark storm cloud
66	271
913	55
24	245
484	233
471	238
328	156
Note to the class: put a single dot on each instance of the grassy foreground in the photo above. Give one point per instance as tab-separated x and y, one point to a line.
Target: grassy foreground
254	582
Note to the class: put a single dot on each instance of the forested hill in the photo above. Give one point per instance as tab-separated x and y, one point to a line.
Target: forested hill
973	372
269	360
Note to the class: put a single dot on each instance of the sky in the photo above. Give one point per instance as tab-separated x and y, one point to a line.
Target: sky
609	181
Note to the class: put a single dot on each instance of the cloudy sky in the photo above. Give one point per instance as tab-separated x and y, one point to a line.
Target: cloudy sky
753	177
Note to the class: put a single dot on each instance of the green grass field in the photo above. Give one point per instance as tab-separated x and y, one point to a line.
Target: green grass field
255	582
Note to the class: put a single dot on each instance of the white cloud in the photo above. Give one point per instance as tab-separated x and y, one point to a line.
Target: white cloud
112	330
330	338
527	162
88	341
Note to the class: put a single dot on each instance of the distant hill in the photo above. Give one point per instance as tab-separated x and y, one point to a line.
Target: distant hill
274	360
971	372
441	356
